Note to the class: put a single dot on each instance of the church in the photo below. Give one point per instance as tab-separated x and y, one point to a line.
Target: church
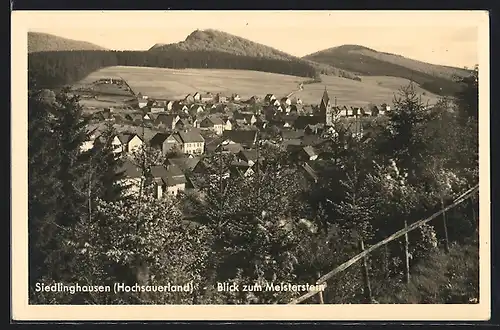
326	109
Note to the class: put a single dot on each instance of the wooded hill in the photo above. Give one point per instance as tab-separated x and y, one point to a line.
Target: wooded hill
361	60
213	40
44	42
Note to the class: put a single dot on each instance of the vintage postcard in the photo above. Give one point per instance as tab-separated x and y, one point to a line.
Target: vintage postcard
250	165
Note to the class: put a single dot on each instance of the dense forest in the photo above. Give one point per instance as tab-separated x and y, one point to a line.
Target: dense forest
268	228
55	69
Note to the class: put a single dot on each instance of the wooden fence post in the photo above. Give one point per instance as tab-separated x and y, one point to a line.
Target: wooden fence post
407	255
320	293
446	241
367	290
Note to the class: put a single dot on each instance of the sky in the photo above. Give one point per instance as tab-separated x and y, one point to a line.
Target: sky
447	38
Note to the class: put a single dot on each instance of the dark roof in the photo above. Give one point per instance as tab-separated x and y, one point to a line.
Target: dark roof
190	136
291	134
213	120
241	136
292	142
159	138
159	171
312	140
184	163
129	169
126	137
249	155
302	121
166	119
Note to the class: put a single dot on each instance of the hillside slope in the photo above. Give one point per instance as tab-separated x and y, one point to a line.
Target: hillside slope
365	61
44	42
214	40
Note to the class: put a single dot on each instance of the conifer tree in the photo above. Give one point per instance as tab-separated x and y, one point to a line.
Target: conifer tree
44	188
71	132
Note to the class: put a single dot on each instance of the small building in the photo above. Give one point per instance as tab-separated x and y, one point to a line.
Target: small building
219	98
169	180
247	138
241	169
206	97
212	123
142	101
165	142
167	120
192	142
236	97
285	102
270	98
126	142
131	178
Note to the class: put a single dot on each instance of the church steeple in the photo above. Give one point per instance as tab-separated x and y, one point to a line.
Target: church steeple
325	99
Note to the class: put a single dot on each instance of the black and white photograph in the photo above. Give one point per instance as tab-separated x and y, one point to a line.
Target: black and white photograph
206	159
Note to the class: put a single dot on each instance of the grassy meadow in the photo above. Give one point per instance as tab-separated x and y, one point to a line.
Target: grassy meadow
176	84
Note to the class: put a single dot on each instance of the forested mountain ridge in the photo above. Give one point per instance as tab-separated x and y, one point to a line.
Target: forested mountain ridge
214	40
364	61
44	42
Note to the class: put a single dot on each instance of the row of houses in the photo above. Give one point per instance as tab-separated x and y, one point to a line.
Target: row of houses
178	174
197	97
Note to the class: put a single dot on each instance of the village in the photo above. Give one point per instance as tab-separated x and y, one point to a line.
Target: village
201	124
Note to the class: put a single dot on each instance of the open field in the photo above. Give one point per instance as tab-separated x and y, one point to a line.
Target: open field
176	84
395	83
357	93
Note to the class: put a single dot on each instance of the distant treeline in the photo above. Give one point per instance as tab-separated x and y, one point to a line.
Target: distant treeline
54	69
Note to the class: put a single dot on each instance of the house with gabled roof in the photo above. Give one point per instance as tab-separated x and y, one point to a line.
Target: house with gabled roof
196	109
182	124
206	97
302	121
126	142
192	142
249	156
196	97
219	98
247	138
186	164
131	177
241	169
253	100
168	179
236	97
142	100
245	118
270	98
285	102
165	142
213	123
288	134
188	99
167	120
